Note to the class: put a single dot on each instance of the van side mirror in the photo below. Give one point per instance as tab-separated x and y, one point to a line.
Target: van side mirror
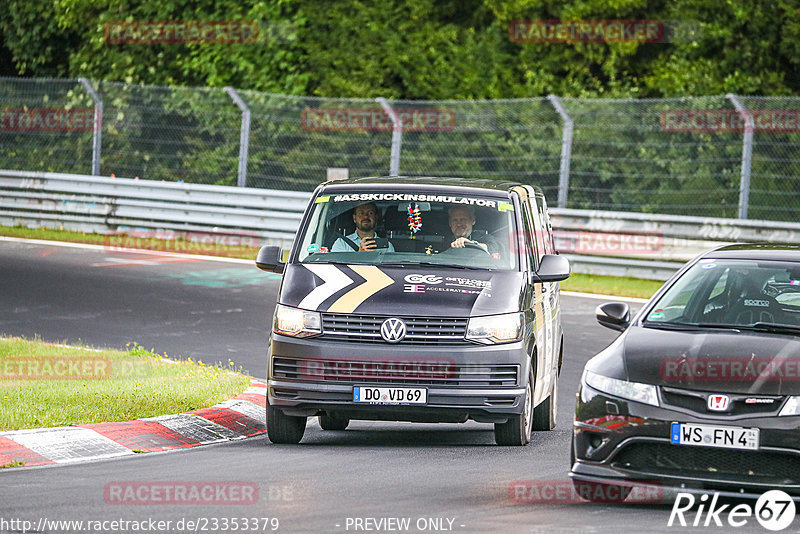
553	268
270	259
614	315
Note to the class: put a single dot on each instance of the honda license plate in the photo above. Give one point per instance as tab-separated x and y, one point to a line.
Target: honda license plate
724	437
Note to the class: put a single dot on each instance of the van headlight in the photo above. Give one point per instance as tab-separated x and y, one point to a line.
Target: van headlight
296	323
493	329
634	391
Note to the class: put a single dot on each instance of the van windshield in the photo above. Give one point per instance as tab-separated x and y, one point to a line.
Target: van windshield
432	228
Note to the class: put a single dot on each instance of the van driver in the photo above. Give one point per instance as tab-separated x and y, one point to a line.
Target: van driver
365	216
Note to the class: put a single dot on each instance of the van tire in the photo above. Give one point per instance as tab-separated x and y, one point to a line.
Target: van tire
331	422
544	415
517	430
282	428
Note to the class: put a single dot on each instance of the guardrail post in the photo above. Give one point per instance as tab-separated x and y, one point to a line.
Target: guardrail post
397	136
747	154
244	136
97	126
566	150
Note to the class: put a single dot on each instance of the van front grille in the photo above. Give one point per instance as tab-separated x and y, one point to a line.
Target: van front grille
419	330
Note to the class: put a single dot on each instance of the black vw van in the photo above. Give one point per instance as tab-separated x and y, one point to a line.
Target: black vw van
417	299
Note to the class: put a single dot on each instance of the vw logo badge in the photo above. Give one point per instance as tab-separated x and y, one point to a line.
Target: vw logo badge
393	330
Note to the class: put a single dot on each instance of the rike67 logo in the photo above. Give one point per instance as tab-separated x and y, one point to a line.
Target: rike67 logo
774	510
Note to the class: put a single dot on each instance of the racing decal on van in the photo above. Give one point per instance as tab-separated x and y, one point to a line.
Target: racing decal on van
412	197
426	283
374	281
334	280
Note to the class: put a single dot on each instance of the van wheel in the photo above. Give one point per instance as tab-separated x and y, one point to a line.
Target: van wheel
517	430
331	422
282	428
544	415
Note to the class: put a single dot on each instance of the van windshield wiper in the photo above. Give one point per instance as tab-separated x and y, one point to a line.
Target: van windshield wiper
432	264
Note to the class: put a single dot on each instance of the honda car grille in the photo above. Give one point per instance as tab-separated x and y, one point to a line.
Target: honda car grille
710	463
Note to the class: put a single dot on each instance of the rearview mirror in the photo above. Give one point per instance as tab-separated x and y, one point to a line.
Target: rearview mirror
270	259
553	268
614	315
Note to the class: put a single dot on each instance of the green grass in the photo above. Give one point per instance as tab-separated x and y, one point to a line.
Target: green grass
134	240
118	385
611	285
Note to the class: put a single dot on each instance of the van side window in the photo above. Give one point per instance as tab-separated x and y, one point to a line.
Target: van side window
539	232
531	234
547	234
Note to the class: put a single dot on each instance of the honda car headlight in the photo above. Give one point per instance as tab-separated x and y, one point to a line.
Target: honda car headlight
493	329
296	323
792	407
634	391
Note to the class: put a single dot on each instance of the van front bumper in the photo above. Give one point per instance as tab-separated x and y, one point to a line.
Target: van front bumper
482	383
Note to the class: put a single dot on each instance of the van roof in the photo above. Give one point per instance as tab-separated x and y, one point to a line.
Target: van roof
434	181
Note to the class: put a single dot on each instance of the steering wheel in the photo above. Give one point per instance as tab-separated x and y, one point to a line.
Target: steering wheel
470	244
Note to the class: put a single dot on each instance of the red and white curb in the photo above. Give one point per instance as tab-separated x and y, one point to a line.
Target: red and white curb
237	418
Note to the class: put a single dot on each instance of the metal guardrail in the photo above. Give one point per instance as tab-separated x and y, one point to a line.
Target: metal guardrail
111	205
597	242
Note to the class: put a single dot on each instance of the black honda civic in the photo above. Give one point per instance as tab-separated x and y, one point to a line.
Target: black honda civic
702	389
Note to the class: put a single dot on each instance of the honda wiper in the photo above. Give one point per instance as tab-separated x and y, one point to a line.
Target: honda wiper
666	325
775	327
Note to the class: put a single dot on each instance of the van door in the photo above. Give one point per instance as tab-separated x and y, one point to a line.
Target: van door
553	288
541	310
548	290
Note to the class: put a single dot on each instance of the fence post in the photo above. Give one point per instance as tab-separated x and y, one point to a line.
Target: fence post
244	136
397	136
97	126
747	154
566	150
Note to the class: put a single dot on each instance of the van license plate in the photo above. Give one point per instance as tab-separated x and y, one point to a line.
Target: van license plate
382	395
724	437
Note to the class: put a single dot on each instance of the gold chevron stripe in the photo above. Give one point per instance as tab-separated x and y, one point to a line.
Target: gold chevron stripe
375	280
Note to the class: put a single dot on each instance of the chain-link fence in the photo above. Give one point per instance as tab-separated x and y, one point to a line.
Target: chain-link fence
723	156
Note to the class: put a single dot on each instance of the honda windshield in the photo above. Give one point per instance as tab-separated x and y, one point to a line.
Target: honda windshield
732	294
